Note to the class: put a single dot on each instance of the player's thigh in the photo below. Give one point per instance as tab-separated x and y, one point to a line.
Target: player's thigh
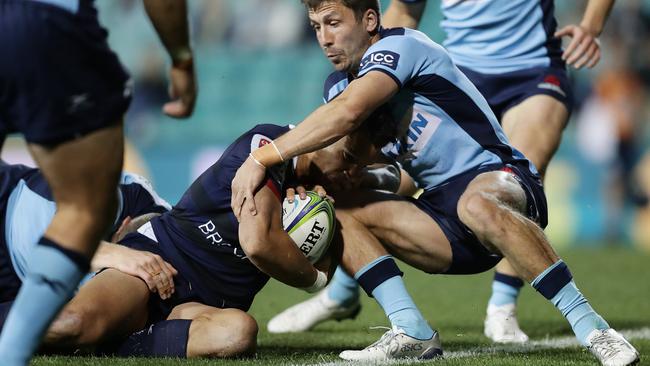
83	169
406	231
111	304
216	332
535	127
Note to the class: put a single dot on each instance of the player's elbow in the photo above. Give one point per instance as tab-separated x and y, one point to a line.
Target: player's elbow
255	243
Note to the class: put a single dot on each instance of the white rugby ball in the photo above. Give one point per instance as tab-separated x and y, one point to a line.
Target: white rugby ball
310	223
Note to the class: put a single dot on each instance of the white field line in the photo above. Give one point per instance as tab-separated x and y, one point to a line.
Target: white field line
535	345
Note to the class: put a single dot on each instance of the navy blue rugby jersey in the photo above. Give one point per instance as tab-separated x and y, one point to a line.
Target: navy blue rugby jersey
199	236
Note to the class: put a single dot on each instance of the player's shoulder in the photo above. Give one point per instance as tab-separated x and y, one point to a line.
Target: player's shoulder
404	39
265	132
402	44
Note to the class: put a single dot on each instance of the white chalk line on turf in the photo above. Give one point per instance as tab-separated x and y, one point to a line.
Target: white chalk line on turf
534	345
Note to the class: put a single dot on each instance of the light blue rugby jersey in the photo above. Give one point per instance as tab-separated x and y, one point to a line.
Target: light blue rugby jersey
69	5
30	209
498	36
451	128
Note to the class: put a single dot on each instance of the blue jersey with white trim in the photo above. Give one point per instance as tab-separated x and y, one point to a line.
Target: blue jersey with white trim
444	127
28	208
200	236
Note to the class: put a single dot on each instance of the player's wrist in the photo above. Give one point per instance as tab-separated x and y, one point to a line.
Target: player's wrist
267	155
319	283
592	29
182	58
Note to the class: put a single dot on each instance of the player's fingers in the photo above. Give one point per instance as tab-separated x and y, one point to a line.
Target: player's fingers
580	50
564	31
568	51
594	60
237	204
588	55
176	109
320	190
171	268
250	201
302	192
291	194
148	279
167	276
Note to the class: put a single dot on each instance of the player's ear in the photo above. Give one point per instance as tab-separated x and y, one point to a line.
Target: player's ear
371	21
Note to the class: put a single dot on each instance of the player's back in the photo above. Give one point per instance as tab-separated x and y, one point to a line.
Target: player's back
443	125
28	208
200	235
494	36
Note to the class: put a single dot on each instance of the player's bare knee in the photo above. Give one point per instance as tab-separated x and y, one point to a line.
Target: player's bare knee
76	327
231	333
66	329
244	337
477	210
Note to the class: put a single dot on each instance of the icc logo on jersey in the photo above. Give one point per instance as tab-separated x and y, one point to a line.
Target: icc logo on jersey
385	58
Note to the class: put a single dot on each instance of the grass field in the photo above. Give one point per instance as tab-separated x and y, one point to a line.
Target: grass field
616	281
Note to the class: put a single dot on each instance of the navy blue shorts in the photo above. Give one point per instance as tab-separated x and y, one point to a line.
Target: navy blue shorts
504	91
468	254
183	293
58	78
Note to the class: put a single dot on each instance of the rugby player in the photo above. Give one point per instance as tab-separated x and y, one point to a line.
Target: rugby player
66	92
523	77
483	200
27	207
221	263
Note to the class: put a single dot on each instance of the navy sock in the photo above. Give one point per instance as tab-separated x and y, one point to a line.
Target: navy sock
167	338
53	275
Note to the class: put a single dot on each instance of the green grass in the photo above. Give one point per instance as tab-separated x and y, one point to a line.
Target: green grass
616	281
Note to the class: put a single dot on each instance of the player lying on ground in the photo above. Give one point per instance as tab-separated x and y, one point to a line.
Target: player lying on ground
26	209
221	264
482	199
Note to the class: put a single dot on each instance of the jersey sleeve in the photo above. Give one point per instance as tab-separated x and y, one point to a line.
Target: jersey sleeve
399	57
335	83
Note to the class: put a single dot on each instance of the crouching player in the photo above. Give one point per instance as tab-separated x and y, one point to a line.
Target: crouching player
27	208
222	264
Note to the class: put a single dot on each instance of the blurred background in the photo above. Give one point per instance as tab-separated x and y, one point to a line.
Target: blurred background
258	61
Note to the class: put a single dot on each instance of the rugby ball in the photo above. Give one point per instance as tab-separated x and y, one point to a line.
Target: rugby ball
310	223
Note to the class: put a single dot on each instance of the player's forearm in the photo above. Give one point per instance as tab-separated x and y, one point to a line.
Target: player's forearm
103	258
321	128
169	18
278	257
596	15
400	14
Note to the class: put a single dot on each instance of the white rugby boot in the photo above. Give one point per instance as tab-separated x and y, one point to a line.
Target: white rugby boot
307	314
395	344
611	349
501	325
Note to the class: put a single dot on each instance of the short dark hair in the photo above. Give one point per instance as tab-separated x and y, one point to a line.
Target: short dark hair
358	6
